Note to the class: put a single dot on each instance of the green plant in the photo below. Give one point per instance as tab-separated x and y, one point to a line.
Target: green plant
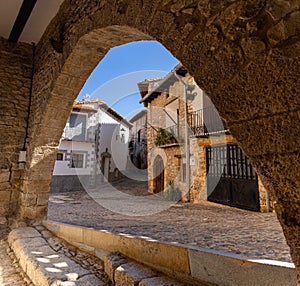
164	137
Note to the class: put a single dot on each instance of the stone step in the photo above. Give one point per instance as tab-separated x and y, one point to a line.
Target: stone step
125	272
45	265
46	261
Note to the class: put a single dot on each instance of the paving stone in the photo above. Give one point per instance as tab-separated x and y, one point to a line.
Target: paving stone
89	280
40	228
23	232
46	234
204	224
111	263
46	266
130	274
9	272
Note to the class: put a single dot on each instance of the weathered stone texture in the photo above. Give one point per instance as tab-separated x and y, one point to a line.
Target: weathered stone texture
15	79
244	54
130	274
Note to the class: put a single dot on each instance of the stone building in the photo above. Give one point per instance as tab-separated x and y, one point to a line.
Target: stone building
138	140
93	133
190	150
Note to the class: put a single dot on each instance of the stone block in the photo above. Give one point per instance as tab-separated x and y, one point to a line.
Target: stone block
5	186
28	212
89	280
41	212
27	245
42	199
159	281
100	253
130	274
5	196
43	265
84	247
160	255
28	200
46	234
46	270
215	267
52	226
23	232
3	222
71	233
4	208
111	263
37	186
101	239
4	176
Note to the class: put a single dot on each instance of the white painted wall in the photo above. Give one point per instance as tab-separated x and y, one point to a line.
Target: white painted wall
197	103
110	138
171	109
61	167
119	148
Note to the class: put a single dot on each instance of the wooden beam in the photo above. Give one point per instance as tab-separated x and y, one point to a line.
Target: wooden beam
21	20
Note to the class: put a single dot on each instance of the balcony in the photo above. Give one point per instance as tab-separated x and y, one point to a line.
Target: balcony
168	136
205	122
174	131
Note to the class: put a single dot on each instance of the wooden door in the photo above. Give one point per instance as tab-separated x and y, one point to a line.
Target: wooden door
159	175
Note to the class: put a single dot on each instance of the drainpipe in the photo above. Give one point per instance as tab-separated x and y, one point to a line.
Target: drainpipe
187	141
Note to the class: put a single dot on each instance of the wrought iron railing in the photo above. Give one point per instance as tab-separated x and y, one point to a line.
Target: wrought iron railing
206	122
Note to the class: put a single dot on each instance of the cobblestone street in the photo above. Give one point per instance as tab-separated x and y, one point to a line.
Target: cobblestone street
255	235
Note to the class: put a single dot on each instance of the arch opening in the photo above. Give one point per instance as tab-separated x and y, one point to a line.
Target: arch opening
160	176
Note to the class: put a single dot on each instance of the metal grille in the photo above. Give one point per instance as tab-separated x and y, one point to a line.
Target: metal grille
231	179
229	161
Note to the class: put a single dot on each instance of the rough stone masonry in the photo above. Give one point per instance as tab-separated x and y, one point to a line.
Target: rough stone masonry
244	54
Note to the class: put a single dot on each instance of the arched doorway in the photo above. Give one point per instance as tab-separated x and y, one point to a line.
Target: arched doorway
159	174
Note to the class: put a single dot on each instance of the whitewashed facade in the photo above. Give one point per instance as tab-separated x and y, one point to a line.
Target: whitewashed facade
93	130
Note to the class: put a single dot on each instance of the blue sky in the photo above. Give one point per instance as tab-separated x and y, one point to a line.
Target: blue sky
115	78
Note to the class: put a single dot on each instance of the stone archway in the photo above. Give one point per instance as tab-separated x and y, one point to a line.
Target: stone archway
244	54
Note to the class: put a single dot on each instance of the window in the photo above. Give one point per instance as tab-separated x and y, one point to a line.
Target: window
60	156
77	160
77	127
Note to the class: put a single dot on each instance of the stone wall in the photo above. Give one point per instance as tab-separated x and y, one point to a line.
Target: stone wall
171	154
198	171
15	82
